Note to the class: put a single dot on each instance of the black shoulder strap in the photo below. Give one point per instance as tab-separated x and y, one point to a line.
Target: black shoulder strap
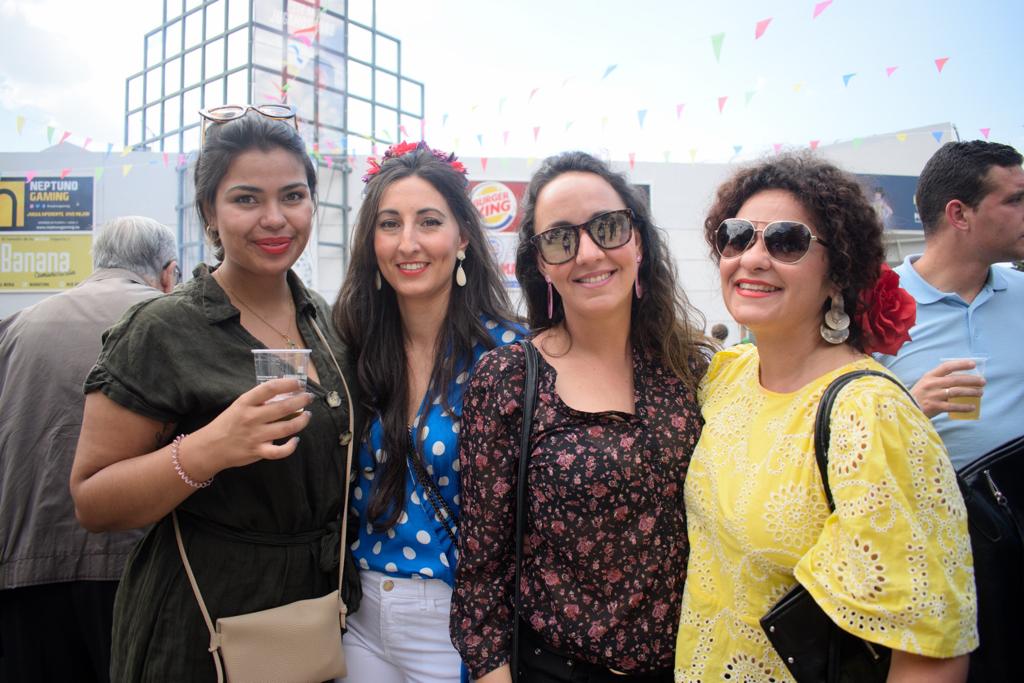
822	421
529	402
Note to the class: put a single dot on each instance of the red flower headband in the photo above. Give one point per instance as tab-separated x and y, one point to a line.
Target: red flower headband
887	313
402	148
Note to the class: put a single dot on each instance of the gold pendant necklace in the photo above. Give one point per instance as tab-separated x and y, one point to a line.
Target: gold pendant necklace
287	340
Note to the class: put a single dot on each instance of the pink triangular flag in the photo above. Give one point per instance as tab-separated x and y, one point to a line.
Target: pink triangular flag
329	162
632	160
64	173
985	132
890	69
483	163
85	145
815	143
679	109
64	137
721	103
504	137
403	131
181	161
777	146
29	176
165	158
536	132
532	93
820	7
761	27
941	62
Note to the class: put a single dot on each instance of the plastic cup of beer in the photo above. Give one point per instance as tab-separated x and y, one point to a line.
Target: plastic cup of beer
973	401
282	364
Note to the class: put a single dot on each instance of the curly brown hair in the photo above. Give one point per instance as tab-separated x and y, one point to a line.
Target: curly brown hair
663	321
843	218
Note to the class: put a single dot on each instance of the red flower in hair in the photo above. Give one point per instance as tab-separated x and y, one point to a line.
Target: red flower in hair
887	314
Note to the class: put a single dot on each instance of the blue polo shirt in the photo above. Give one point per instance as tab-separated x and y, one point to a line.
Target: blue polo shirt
948	327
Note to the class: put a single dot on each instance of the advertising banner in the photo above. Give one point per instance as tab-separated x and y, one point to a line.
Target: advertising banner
892	196
46	204
34	263
498	203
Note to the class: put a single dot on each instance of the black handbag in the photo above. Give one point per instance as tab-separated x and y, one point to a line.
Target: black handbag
993	491
529	403
810	644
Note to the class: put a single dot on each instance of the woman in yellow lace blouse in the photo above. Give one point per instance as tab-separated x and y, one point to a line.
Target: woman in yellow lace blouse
800	257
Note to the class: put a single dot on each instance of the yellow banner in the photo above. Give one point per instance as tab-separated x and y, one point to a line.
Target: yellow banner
34	263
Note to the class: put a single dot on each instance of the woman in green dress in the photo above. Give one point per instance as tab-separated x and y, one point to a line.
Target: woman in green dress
174	420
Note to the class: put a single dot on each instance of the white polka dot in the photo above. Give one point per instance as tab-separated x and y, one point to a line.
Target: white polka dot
442	481
491	324
415	497
444	560
456	465
378	455
391	567
427	571
376	548
456	554
455	427
508	336
363	563
430	469
423	537
438	448
368	473
358	493
355	546
457	499
424	432
409	553
403	518
369	528
391	533
461	379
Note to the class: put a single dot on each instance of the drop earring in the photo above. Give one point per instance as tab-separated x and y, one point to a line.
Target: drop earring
376	280
836	327
551	298
460	274
637	287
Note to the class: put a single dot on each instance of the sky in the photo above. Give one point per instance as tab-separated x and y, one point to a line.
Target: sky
641	80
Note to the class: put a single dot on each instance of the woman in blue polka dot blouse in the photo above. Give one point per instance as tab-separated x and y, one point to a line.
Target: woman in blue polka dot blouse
421	302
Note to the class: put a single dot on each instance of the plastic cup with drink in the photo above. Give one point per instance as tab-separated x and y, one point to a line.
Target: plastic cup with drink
973	401
282	364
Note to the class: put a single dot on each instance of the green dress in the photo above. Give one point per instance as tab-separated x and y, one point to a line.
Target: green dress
259	536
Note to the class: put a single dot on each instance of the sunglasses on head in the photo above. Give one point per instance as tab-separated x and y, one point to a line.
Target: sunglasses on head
785	241
230	112
609	230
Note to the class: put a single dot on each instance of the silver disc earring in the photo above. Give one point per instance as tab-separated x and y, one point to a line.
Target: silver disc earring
460	274
836	327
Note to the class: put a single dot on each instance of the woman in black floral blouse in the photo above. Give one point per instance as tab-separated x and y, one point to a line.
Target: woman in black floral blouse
605	547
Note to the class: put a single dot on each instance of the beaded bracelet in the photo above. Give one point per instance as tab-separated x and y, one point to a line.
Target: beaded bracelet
178	468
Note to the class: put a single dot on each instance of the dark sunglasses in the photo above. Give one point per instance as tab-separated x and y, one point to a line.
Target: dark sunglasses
230	112
785	241
609	230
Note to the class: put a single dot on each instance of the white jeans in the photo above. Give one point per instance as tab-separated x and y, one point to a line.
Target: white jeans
400	633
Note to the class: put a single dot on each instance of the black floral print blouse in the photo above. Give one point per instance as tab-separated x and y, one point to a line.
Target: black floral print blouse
605	549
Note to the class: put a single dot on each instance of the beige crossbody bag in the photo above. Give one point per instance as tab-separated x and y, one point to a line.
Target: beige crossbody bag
294	643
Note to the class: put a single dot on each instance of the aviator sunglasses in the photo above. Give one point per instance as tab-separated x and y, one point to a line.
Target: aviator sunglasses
230	112
785	241
609	230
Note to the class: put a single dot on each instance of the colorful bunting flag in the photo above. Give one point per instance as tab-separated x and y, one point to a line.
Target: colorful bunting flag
985	132
49	135
536	132
814	144
857	142
480	139
444	119
604	122
749	96
99	172
641	115
181	161
501	104
85	145
937	134
568	125
846	78
761	27
126	169
611	68
820	7
165	159
330	163
126	151
668	155
716	45
679	109
483	164
19	124
30	176
532	93
737	149
403	131
64	173
797	87
902	137
632	160
777	147
889	70
721	103
693	154
941	62
504	137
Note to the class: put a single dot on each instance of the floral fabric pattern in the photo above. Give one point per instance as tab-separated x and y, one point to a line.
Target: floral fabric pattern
605	547
892	564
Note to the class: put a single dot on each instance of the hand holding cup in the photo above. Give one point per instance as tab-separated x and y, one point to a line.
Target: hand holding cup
955	386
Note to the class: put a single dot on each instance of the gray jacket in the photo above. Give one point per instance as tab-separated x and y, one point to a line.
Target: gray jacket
46	351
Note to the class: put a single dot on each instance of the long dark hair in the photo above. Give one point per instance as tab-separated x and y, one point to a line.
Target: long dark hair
843	216
663	321
224	142
370	323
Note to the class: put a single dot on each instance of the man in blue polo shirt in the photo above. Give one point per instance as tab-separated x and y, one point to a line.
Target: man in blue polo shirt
970	196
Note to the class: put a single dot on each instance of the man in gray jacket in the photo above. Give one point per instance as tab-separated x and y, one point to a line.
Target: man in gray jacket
57	581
